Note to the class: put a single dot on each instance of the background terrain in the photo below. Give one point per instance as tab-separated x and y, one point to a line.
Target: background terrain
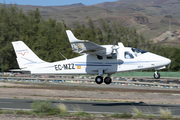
150	17
143	24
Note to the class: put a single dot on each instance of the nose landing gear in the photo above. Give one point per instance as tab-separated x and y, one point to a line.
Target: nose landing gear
157	75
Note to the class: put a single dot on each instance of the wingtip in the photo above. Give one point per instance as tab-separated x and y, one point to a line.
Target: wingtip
71	36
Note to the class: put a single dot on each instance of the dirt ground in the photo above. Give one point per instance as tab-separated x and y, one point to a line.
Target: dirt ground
61	92
65	92
28	117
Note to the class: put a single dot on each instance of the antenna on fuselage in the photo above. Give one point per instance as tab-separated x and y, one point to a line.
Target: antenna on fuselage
63	55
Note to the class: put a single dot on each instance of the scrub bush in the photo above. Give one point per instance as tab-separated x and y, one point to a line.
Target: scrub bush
41	106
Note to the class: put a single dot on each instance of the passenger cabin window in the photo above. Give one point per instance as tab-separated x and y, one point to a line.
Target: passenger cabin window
138	52
128	55
99	57
114	56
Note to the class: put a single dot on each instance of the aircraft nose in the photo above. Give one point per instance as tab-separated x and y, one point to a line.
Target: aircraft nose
158	60
165	61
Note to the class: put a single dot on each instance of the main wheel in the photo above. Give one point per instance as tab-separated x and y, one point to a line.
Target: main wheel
107	80
157	75
99	79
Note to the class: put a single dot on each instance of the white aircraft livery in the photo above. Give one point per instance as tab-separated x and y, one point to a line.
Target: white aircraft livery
95	60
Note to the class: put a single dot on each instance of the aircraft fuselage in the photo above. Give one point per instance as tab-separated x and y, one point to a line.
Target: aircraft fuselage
89	64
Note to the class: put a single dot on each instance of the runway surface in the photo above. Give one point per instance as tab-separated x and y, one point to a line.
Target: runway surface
93	107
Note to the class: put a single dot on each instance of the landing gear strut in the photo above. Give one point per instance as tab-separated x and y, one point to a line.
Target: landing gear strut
157	75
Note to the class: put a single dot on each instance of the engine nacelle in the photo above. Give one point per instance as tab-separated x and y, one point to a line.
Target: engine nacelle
110	49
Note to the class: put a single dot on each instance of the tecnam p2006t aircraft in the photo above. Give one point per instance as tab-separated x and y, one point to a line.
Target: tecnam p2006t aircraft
96	59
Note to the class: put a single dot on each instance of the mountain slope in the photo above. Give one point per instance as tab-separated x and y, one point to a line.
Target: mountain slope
147	16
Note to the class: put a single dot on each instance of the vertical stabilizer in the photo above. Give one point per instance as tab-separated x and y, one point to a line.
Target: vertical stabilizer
25	56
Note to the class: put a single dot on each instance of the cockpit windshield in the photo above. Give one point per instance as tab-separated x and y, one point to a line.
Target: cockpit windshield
138	52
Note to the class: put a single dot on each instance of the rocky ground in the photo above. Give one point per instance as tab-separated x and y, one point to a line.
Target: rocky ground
64	92
61	92
28	117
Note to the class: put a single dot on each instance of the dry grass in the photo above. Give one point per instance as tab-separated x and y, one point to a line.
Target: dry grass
62	108
165	113
138	113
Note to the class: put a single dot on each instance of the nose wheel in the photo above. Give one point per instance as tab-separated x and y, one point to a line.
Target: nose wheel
157	75
99	80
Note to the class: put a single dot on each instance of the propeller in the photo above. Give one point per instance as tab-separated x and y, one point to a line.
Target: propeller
114	47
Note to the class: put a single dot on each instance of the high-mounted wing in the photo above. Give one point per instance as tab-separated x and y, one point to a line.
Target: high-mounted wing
84	46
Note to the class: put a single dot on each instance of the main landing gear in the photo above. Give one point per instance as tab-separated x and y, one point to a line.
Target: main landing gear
99	80
157	75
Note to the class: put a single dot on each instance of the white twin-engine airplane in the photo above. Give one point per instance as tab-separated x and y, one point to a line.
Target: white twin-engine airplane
96	59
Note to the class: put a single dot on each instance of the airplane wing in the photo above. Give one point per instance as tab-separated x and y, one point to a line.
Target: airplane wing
83	46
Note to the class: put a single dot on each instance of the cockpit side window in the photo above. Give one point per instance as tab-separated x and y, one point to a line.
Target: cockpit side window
128	55
138	52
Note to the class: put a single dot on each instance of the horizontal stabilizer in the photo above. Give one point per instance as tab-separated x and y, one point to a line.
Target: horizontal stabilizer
18	70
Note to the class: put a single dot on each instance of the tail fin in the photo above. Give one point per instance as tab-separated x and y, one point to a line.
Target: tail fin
25	56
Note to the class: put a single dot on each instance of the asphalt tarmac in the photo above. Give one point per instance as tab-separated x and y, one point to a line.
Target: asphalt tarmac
93	106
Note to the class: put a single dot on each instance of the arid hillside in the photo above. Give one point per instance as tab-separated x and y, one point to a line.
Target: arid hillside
152	18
